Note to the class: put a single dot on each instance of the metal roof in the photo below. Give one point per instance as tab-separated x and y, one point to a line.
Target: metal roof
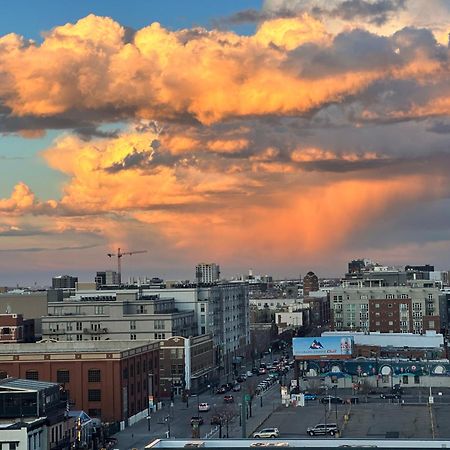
17	383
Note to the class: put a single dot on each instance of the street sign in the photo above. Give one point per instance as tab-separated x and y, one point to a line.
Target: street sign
247	397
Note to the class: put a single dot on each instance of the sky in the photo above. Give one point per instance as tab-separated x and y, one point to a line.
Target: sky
279	135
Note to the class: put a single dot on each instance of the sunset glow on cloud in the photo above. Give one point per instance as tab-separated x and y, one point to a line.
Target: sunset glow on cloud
274	147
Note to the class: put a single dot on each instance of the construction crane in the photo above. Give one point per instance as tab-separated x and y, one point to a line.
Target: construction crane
119	255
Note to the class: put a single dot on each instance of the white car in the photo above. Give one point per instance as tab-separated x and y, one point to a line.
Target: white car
267	433
203	407
249	374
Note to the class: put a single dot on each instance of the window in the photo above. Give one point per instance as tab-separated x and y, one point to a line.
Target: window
94	395
6	330
132	371
3	375
203	330
416	379
132	324
79	337
377	305
32	375
95	412
391	322
98	310
159	325
132	337
202	308
94	375
62	376
79	326
389	305
405	379
125	373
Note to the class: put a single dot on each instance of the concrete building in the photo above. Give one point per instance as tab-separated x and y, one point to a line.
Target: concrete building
13	329
109	380
186	365
116	315
107	278
319	308
32	305
221	310
407	309
64	282
36	412
207	273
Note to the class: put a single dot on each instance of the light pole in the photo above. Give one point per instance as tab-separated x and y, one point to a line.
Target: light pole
335	399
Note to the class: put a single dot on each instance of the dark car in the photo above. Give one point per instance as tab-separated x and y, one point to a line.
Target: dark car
390	396
331	399
221	390
196	420
240	379
228	399
255	371
228	386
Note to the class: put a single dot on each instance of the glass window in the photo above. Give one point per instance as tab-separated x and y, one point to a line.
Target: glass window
94	375
94	395
32	375
62	376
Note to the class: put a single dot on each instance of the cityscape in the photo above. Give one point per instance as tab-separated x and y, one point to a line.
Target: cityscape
224	224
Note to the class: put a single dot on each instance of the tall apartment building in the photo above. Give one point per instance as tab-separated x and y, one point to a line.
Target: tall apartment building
413	308
221	310
116	315
64	282
207	273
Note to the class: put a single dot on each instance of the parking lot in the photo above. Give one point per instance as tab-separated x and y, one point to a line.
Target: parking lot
372	420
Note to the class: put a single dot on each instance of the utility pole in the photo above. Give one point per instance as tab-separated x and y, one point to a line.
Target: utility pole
119	255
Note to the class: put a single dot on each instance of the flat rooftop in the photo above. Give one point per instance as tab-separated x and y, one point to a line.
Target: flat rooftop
298	443
74	347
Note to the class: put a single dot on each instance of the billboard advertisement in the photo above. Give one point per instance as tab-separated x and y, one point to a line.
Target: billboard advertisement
323	347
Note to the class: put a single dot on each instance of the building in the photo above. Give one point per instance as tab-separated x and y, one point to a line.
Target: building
37	411
116	315
319	308
32	305
401	309
274	304
109	380
207	273
186	365
13	329
222	310
107	278
310	283
64	282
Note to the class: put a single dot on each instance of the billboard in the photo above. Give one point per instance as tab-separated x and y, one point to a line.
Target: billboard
323	347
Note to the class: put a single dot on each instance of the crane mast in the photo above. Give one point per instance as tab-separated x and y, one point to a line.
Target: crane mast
119	256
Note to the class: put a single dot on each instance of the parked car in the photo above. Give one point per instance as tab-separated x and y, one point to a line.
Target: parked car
331	399
203	407
197	419
262	371
240	379
249	374
267	433
236	388
221	390
310	396
323	429
228	399
255	370
390	396
228	386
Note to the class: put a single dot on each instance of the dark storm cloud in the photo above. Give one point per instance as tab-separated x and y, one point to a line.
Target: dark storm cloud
376	12
439	128
46	249
88	132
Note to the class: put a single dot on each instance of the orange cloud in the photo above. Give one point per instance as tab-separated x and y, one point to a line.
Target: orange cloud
210	75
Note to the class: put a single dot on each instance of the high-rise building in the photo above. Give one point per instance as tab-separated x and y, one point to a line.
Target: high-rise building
310	283
64	282
207	273
107	278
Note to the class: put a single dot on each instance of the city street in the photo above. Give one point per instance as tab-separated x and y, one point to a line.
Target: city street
176	418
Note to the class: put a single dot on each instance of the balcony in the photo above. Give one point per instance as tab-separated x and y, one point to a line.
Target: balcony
97	331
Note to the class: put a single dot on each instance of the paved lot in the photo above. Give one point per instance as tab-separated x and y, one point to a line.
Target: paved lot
371	420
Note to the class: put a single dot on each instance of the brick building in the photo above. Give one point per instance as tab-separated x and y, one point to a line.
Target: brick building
13	329
108	380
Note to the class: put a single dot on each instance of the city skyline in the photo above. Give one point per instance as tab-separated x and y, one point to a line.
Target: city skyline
279	135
